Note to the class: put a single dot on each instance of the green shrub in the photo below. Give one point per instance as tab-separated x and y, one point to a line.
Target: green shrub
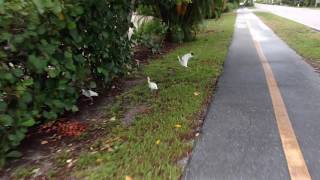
176	34
49	51
182	15
151	34
231	6
145	10
153	27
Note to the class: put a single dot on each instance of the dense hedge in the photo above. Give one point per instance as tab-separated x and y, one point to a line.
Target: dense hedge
49	51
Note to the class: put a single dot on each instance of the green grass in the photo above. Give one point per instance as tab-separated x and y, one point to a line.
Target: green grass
132	149
23	172
301	38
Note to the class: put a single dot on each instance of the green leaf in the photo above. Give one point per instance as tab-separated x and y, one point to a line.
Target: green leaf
28	123
68	55
78	10
6	120
39	5
26	97
58	103
74	108
50	115
72	25
75	35
17	136
56	7
2	158
14	154
3	106
70	66
28	82
53	72
37	63
3	55
9	77
17	72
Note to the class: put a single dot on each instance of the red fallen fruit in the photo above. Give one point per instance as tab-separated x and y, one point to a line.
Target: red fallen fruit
63	127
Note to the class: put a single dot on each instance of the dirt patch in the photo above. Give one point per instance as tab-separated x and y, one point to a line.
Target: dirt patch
133	112
142	54
211	31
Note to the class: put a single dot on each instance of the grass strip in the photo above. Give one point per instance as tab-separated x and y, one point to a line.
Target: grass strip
158	138
303	39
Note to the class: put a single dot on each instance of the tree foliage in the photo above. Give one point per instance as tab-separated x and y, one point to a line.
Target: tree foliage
49	51
183	16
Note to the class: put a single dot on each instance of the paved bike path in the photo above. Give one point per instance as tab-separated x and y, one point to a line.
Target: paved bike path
240	138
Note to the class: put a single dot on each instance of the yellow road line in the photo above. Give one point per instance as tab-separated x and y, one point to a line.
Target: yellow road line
296	164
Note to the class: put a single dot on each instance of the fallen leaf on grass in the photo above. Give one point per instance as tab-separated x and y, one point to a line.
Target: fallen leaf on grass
112	140
35	171
44	142
129	178
61	16
105	146
178	126
70	165
158	141
109	143
113	118
196	93
99	161
70	162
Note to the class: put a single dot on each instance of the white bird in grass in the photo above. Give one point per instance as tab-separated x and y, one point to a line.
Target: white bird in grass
152	85
89	94
185	58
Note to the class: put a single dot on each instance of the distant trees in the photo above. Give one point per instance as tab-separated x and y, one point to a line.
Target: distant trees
308	3
183	16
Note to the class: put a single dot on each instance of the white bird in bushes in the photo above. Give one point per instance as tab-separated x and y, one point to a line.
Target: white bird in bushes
185	58
152	85
89	94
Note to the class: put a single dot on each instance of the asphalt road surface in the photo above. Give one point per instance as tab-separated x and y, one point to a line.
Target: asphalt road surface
241	138
306	16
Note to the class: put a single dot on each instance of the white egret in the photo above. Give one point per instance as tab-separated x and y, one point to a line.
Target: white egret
185	58
152	85
89	94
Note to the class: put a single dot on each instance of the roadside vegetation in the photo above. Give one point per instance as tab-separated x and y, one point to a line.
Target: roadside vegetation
304	40
59	59
159	138
54	53
297	3
151	145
